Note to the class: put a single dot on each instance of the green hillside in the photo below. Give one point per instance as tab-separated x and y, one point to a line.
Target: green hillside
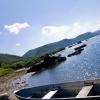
10	63
58	45
7	58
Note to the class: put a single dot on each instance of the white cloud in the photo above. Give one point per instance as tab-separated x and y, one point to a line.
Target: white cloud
68	31
18	44
15	28
54	31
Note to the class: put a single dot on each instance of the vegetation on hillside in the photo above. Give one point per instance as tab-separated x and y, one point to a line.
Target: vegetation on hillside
7	58
12	64
60	44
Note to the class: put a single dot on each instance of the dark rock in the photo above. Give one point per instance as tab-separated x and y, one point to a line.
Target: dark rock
47	62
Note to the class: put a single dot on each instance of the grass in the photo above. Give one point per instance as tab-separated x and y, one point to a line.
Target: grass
9	68
6	71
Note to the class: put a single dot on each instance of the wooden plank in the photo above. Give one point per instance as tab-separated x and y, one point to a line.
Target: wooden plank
84	91
49	94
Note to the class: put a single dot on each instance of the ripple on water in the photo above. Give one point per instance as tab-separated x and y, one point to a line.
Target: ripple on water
80	67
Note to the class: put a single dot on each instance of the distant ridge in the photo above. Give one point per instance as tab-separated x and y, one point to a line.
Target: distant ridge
7	58
60	44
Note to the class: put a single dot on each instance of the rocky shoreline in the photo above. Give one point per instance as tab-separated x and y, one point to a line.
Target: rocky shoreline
7	86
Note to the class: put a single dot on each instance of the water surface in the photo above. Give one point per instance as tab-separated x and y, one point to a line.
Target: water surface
79	67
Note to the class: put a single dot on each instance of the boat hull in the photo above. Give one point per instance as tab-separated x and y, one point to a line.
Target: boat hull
66	91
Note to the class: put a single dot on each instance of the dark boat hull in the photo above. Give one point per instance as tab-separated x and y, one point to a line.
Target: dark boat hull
67	91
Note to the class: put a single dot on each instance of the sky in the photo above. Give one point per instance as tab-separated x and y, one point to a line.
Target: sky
28	24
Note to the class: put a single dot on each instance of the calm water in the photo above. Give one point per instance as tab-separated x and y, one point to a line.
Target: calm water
79	67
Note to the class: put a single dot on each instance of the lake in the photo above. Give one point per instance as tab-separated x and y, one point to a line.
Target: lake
79	67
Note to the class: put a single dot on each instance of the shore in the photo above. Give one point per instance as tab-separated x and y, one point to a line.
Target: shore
7	86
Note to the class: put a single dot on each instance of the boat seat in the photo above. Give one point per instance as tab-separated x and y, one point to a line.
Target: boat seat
50	94
84	91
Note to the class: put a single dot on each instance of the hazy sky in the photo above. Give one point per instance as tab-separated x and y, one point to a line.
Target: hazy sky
27	24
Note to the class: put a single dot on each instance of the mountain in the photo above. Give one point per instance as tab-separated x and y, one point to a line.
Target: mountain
60	44
7	58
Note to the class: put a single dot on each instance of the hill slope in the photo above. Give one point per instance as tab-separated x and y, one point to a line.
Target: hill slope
60	44
7	58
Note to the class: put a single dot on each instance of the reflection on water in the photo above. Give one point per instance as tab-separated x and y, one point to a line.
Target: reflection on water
79	67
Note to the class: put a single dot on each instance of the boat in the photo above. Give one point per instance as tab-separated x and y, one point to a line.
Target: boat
77	52
80	90
80	47
47	62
